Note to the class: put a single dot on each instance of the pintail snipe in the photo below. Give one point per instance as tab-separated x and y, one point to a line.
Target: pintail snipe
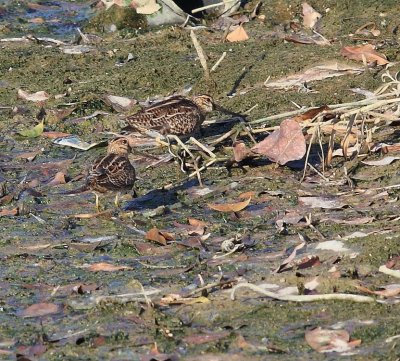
177	115
113	171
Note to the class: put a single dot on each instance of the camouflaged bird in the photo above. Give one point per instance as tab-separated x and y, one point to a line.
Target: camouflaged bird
113	171
177	115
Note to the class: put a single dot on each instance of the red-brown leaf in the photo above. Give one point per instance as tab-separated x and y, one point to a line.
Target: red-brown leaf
106	267
283	145
40	309
364	51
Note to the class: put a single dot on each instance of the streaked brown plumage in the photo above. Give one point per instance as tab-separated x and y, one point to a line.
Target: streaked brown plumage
113	171
177	115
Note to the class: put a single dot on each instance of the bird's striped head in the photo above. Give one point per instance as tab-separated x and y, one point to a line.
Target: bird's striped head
119	146
204	102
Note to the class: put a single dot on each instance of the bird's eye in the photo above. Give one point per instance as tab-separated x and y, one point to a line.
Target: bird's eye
124	141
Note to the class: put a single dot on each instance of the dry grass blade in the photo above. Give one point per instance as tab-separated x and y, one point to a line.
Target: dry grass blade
201	54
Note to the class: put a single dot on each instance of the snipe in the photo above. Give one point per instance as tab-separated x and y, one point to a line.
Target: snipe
113	171
177	115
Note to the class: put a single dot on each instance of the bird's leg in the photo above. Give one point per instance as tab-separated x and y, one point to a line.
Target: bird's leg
97	202
116	200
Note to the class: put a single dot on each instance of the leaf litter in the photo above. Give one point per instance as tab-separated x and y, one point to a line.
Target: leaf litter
172	263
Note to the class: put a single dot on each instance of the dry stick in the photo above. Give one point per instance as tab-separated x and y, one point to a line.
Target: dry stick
308	155
202	146
197	10
302	298
201	54
390	272
215	66
336	107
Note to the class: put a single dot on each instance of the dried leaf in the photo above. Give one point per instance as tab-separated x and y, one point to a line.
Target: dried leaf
40	309
239	34
158	236
33	97
283	145
120	103
330	340
240	151
368	28
361	52
310	16
383	161
229	207
34	132
9	212
54	135
106	267
59	178
318	72
147	7
321	202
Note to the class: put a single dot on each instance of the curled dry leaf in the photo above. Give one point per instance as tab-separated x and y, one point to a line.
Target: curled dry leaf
106	267
40	96
383	161
283	145
40	309
229	207
368	28
239	34
321	202
59	178
330	340
319	72
158	236
9	212
310	16
362	52
119	103
240	151
54	135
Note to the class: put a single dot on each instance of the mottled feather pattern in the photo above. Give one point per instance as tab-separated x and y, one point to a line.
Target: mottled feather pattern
113	171
176	115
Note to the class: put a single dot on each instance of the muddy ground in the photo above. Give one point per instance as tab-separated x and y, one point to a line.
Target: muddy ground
46	248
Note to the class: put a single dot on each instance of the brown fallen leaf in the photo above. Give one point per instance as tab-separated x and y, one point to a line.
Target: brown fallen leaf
33	97
362	52
239	34
35	351
330	340
59	178
310	16
106	267
283	145
240	151
368	28
318	72
9	212
229	207
53	135
40	309
310	114
158	236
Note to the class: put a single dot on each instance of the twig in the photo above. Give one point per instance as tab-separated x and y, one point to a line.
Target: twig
302	298
201	54
308	155
207	287
390	272
215	66
206	7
